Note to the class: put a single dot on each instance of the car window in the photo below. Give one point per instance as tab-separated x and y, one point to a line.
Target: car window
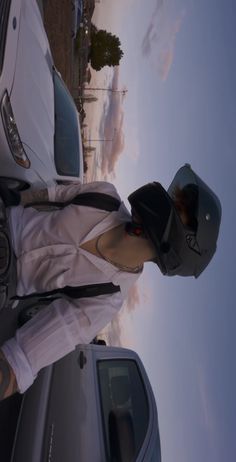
67	132
124	406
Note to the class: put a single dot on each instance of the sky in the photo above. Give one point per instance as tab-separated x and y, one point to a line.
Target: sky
179	70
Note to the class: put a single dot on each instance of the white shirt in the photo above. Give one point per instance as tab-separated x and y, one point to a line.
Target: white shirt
49	256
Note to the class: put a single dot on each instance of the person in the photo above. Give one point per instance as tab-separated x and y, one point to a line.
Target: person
56	248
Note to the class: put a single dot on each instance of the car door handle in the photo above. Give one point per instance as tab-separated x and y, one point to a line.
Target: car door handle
82	360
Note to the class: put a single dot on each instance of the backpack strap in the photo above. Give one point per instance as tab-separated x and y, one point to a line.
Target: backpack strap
97	200
90	290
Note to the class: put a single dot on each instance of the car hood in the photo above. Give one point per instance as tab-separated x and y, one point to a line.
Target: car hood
32	95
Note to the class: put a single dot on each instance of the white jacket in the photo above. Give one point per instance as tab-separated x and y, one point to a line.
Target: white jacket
49	256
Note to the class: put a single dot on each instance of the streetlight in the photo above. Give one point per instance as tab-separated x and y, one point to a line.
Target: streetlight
112	90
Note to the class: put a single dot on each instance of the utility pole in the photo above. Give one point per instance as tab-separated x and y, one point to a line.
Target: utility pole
112	90
102	139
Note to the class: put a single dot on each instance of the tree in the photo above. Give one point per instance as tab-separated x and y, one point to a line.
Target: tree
105	49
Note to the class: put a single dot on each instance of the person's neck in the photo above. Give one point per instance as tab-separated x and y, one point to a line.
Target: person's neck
129	250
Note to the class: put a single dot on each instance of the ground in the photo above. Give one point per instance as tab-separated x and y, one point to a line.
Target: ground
58	24
57	21
71	61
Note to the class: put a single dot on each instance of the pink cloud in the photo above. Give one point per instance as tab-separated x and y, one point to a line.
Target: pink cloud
164	64
114	332
159	41
133	298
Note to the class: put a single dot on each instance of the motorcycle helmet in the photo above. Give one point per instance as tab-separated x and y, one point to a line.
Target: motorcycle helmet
183	250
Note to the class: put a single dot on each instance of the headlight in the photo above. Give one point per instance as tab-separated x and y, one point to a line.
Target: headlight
12	134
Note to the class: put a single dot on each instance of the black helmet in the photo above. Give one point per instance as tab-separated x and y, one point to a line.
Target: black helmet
181	250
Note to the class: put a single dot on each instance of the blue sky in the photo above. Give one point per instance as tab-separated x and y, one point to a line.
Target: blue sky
179	68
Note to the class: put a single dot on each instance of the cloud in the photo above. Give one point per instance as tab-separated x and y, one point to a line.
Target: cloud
133	298
111	128
147	40
159	40
114	333
165	62
151	35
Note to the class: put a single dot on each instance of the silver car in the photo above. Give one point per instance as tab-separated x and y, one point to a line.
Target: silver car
40	139
94	405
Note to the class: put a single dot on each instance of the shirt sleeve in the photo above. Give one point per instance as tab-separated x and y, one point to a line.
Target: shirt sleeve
55	331
63	193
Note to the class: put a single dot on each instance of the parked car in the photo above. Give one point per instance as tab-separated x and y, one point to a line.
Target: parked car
7	261
40	138
77	14
96	404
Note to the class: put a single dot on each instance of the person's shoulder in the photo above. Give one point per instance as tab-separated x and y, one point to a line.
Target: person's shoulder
104	187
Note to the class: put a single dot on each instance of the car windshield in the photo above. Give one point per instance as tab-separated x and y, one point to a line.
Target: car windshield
67	131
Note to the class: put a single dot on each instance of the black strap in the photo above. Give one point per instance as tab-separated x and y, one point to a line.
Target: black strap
91	290
97	200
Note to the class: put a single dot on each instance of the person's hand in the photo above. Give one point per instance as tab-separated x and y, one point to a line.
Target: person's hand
8	384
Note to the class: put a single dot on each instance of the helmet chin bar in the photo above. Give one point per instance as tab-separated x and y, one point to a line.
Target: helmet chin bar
168	261
176	248
193	243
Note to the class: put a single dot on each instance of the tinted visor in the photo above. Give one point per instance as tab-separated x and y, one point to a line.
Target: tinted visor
161	224
153	205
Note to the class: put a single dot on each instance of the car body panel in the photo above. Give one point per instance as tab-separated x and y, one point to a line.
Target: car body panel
38	113
61	416
7	75
79	403
33	423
